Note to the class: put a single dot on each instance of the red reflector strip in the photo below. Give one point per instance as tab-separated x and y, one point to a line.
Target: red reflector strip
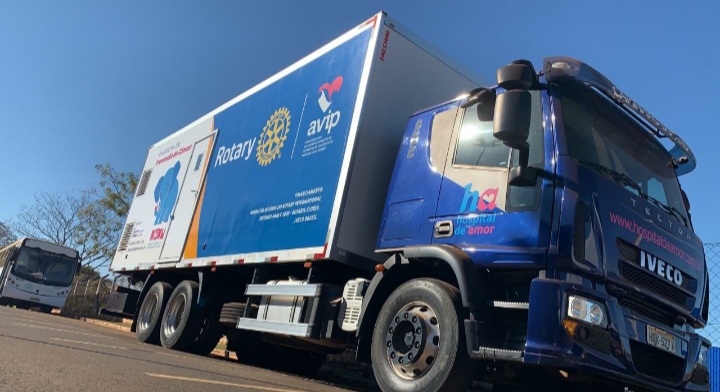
189	265
240	261
273	259
213	263
321	255
152	268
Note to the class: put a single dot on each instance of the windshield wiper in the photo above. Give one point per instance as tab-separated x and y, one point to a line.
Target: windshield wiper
670	210
622	178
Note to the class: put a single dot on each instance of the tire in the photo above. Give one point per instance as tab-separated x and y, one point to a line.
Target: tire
151	310
209	335
286	359
435	359
247	346
182	319
303	363
230	313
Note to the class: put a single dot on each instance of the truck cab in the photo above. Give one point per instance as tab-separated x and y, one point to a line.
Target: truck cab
556	207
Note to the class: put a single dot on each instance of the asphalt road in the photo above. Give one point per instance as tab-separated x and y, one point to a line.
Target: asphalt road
41	352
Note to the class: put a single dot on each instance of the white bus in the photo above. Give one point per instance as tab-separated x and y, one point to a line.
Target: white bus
36	274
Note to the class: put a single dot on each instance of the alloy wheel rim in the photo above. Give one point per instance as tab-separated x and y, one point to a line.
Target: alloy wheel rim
412	340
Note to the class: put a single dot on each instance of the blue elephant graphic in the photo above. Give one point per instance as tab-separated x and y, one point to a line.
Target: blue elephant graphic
166	194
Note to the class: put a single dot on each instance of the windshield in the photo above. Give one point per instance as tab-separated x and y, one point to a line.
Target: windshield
603	137
43	267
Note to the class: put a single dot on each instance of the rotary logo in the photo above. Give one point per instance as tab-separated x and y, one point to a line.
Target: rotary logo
273	136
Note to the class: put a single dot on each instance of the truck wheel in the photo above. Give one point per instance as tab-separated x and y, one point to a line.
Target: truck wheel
286	359
231	312
303	363
209	335
418	343
152	308
183	317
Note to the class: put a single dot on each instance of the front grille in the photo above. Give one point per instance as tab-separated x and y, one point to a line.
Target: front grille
631	254
628	252
646	281
596	338
656	363
647	312
700	376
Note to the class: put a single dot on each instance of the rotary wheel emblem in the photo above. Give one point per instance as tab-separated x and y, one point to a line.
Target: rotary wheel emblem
273	136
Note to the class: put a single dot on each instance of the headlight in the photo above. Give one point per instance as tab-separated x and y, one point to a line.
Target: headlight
703	356
583	309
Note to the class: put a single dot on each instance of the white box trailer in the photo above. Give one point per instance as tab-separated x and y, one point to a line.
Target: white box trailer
295	168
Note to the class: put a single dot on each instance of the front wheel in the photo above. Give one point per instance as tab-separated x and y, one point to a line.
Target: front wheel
418	343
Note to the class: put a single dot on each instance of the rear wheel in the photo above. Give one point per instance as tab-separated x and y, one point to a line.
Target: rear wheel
151	310
418	343
209	335
183	318
297	361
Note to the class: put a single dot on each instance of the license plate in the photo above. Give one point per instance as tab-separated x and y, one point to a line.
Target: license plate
660	339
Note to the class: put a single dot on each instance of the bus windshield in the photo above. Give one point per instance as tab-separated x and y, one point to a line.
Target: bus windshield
604	138
43	267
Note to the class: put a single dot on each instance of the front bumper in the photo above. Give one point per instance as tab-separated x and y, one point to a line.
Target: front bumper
618	354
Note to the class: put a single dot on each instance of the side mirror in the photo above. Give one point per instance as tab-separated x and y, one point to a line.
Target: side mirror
511	125
511	122
518	75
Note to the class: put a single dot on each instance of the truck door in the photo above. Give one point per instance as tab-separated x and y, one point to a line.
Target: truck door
477	210
187	199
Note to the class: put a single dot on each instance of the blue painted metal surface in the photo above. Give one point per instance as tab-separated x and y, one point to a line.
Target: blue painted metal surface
714	365
615	219
286	186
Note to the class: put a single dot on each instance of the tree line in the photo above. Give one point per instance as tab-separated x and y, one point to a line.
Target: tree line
89	220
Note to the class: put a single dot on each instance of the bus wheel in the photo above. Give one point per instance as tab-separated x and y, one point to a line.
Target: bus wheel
418	343
183	318
152	308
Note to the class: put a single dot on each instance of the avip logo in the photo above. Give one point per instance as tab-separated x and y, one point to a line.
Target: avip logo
330	119
166	194
272	138
475	201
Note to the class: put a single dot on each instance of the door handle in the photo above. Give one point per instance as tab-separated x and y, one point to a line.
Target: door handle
443	229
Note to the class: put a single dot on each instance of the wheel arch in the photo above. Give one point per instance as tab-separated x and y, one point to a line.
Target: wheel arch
443	262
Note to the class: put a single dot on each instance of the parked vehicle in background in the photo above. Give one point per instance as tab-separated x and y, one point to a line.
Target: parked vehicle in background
530	233
36	274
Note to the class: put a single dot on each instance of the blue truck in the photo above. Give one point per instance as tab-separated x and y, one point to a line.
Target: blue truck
529	233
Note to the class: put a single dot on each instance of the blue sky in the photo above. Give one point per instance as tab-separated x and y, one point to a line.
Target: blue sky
86	82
